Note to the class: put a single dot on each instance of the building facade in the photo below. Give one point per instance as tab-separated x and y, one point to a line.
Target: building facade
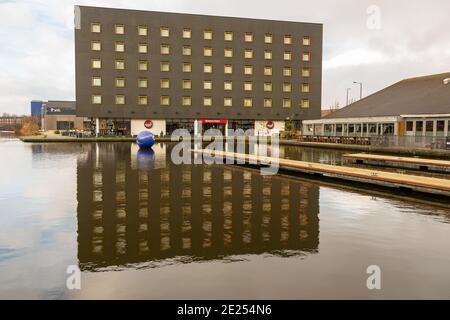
163	71
61	115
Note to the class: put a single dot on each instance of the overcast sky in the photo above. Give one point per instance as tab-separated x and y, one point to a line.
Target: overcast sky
377	45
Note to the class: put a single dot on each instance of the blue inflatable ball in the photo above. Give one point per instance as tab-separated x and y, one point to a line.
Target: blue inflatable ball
145	139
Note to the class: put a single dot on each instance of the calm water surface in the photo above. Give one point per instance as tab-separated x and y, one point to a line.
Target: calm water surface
140	227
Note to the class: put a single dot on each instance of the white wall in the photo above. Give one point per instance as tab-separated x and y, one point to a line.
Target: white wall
138	126
261	128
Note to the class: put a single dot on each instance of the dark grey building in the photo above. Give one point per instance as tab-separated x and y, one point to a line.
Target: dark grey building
161	71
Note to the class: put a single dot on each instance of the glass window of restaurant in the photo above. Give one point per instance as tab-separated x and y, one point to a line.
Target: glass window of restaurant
429	128
419	128
409	128
372	129
440	128
328	129
339	129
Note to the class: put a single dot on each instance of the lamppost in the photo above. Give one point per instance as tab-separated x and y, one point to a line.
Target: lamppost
348	90
360	88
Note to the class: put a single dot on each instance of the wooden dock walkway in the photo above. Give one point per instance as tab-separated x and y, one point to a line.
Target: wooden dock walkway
382	178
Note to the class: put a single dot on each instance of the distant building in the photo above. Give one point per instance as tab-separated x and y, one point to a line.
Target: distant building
412	107
9	123
61	115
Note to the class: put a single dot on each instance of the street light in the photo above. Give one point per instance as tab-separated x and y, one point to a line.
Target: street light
360	88
348	90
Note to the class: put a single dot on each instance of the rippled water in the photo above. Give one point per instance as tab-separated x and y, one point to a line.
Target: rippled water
139	226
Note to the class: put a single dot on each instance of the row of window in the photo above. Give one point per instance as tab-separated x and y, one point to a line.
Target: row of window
186	101
207	84
119	46
186	33
143	65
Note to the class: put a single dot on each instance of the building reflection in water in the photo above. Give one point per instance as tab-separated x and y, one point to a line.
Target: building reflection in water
136	207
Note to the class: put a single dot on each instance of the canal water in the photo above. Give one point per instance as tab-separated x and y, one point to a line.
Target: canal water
138	226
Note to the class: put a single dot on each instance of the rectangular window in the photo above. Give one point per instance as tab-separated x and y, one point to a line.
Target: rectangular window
187	67
164	49
96	27
207	51
165	100
267	71
287	87
187	101
96	99
305	87
306	56
120	46
267	54
304	103
142	100
96	64
96	81
228	53
228	36
119	29
268	103
207	85
287	72
419	128
306	73
248	102
187	84
228	69
142	48
248	53
287	55
96	45
268	86
306	41
187	50
248	70
142	30
187	33
228	85
143	83
120	99
287	39
120	82
164	66
207	34
287	103
120	64
207	101
248	37
228	102
248	86
268	38
440	127
165	83
207	68
164	32
143	65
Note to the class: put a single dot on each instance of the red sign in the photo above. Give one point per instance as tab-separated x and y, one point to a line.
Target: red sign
148	124
219	121
270	125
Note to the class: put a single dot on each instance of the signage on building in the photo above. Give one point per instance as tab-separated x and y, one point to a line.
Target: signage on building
216	121
270	125
148	124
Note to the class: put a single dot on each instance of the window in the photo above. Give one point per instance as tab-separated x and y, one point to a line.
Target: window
207	85
165	83
96	64
96	45
96	27
228	102
119	29
248	54
120	46
96	81
248	102
164	49
120	99
248	37
96	99
305	87
207	101
306	56
228	36
306	41
287	72
228	69
228	85
165	100
187	84
287	103
164	66
248	86
287	56
187	101
187	33
187	50
287	39
267	71
268	86
287	87
207	34
207	51
304	103
143	65
419	128
142	83
268	38
267	54
142	100
228	53
142	48
164	32
120	64
207	68
248	70
440	127
306	73
120	82
142	30
187	67
268	103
